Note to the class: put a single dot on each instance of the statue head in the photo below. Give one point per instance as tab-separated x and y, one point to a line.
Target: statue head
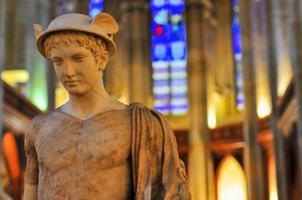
79	48
103	26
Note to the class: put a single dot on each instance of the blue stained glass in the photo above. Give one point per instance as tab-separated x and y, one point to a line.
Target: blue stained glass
176	19
176	10
175	28
161	17
178	49
164	109
161	96
234	2
237	52
240	101
238	75
178	70
179	96
160	83
95	7
177	32
179	82
160	70
159	38
93	12
176	6
160	51
162	99
180	106
236	36
169	55
158	3
176	2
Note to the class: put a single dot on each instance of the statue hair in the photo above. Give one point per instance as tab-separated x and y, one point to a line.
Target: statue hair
65	38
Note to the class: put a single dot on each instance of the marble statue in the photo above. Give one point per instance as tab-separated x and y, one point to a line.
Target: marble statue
95	147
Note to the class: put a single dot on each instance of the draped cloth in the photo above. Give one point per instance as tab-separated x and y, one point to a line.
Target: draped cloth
157	171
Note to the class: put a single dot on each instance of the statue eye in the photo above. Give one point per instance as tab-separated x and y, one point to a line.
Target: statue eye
78	58
57	61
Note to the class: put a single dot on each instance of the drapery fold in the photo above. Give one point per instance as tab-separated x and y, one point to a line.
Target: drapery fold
157	171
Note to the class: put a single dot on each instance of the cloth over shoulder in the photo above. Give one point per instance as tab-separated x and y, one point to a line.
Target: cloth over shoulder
157	171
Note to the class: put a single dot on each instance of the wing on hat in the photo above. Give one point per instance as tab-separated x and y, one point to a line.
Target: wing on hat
107	23
38	30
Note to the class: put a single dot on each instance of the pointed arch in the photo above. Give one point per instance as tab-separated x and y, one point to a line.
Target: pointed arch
231	181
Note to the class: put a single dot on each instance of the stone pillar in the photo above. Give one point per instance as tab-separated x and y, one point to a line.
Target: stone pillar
252	151
200	169
295	46
2	31
65	6
2	49
272	17
51	75
116	77
10	34
36	12
83	6
136	19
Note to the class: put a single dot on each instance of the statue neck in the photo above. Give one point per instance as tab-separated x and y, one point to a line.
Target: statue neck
95	101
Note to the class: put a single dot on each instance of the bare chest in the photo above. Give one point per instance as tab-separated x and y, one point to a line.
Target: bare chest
89	145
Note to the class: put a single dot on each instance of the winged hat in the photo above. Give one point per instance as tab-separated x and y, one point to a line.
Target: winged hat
102	25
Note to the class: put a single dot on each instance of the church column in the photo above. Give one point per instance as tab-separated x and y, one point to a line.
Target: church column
136	18
51	75
36	12
83	6
272	15
252	150
295	47
116	76
200	170
2	49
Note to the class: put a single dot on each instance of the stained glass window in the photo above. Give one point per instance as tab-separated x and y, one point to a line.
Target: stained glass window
237	52
169	56
95	7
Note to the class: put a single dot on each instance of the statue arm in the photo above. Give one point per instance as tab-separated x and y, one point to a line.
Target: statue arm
173	173
157	171
32	166
30	192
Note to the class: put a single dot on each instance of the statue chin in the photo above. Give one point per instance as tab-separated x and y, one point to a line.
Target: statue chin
78	90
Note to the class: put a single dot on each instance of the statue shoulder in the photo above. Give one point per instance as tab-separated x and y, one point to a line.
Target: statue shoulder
139	107
149	117
35	124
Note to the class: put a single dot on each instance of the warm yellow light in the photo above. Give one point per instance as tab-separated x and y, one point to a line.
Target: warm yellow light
231	184
273	195
12	77
263	108
284	72
211	117
61	95
240	107
124	99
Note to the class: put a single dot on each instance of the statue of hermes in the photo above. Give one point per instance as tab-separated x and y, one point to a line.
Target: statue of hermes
95	147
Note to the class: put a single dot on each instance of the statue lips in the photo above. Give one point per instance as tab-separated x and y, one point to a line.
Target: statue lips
71	83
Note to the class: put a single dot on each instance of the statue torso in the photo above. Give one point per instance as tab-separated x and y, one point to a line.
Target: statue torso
85	159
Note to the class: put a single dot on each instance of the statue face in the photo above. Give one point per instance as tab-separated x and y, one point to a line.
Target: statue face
76	68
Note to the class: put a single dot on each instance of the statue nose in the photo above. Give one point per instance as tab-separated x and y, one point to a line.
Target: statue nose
69	69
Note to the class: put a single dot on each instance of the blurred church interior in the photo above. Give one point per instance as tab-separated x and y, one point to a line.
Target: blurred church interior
227	74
